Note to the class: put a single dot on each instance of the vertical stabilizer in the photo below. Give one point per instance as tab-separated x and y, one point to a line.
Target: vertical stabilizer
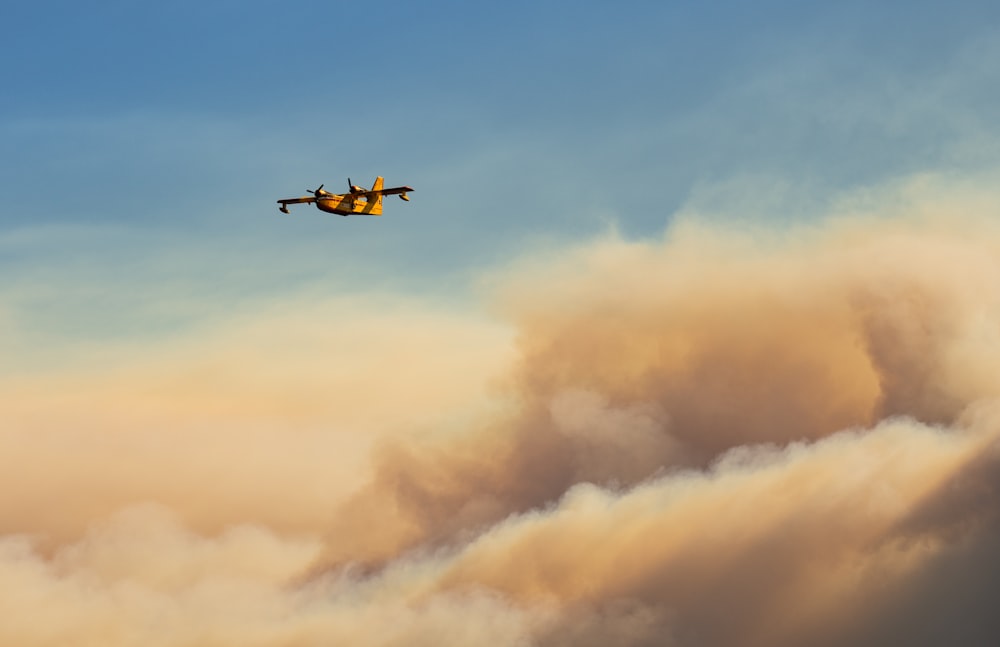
376	200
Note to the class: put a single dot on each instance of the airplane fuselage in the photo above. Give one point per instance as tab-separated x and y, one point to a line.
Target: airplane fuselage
344	205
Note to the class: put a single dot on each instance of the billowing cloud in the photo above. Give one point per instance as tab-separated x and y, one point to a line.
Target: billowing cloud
264	418
731	436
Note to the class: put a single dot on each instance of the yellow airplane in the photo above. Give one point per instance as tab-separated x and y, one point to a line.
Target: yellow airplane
359	201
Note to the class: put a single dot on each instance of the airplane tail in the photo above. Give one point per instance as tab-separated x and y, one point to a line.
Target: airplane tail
376	208
379	183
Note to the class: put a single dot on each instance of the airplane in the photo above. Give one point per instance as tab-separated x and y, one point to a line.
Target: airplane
358	201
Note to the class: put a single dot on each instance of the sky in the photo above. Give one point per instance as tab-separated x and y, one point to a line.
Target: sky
687	335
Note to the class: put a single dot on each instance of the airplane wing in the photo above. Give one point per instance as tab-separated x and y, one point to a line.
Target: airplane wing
393	191
305	200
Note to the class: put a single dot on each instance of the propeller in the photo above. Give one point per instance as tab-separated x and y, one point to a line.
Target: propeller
317	192
352	188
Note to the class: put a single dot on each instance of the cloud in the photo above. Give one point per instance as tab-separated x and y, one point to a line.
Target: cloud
140	578
730	436
769	542
271	411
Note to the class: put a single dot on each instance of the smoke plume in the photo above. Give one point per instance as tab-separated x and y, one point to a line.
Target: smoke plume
724	437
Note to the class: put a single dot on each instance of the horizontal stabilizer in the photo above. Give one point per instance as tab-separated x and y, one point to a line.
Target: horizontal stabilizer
396	190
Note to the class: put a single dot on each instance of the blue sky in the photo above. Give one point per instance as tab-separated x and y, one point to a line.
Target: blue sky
145	144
